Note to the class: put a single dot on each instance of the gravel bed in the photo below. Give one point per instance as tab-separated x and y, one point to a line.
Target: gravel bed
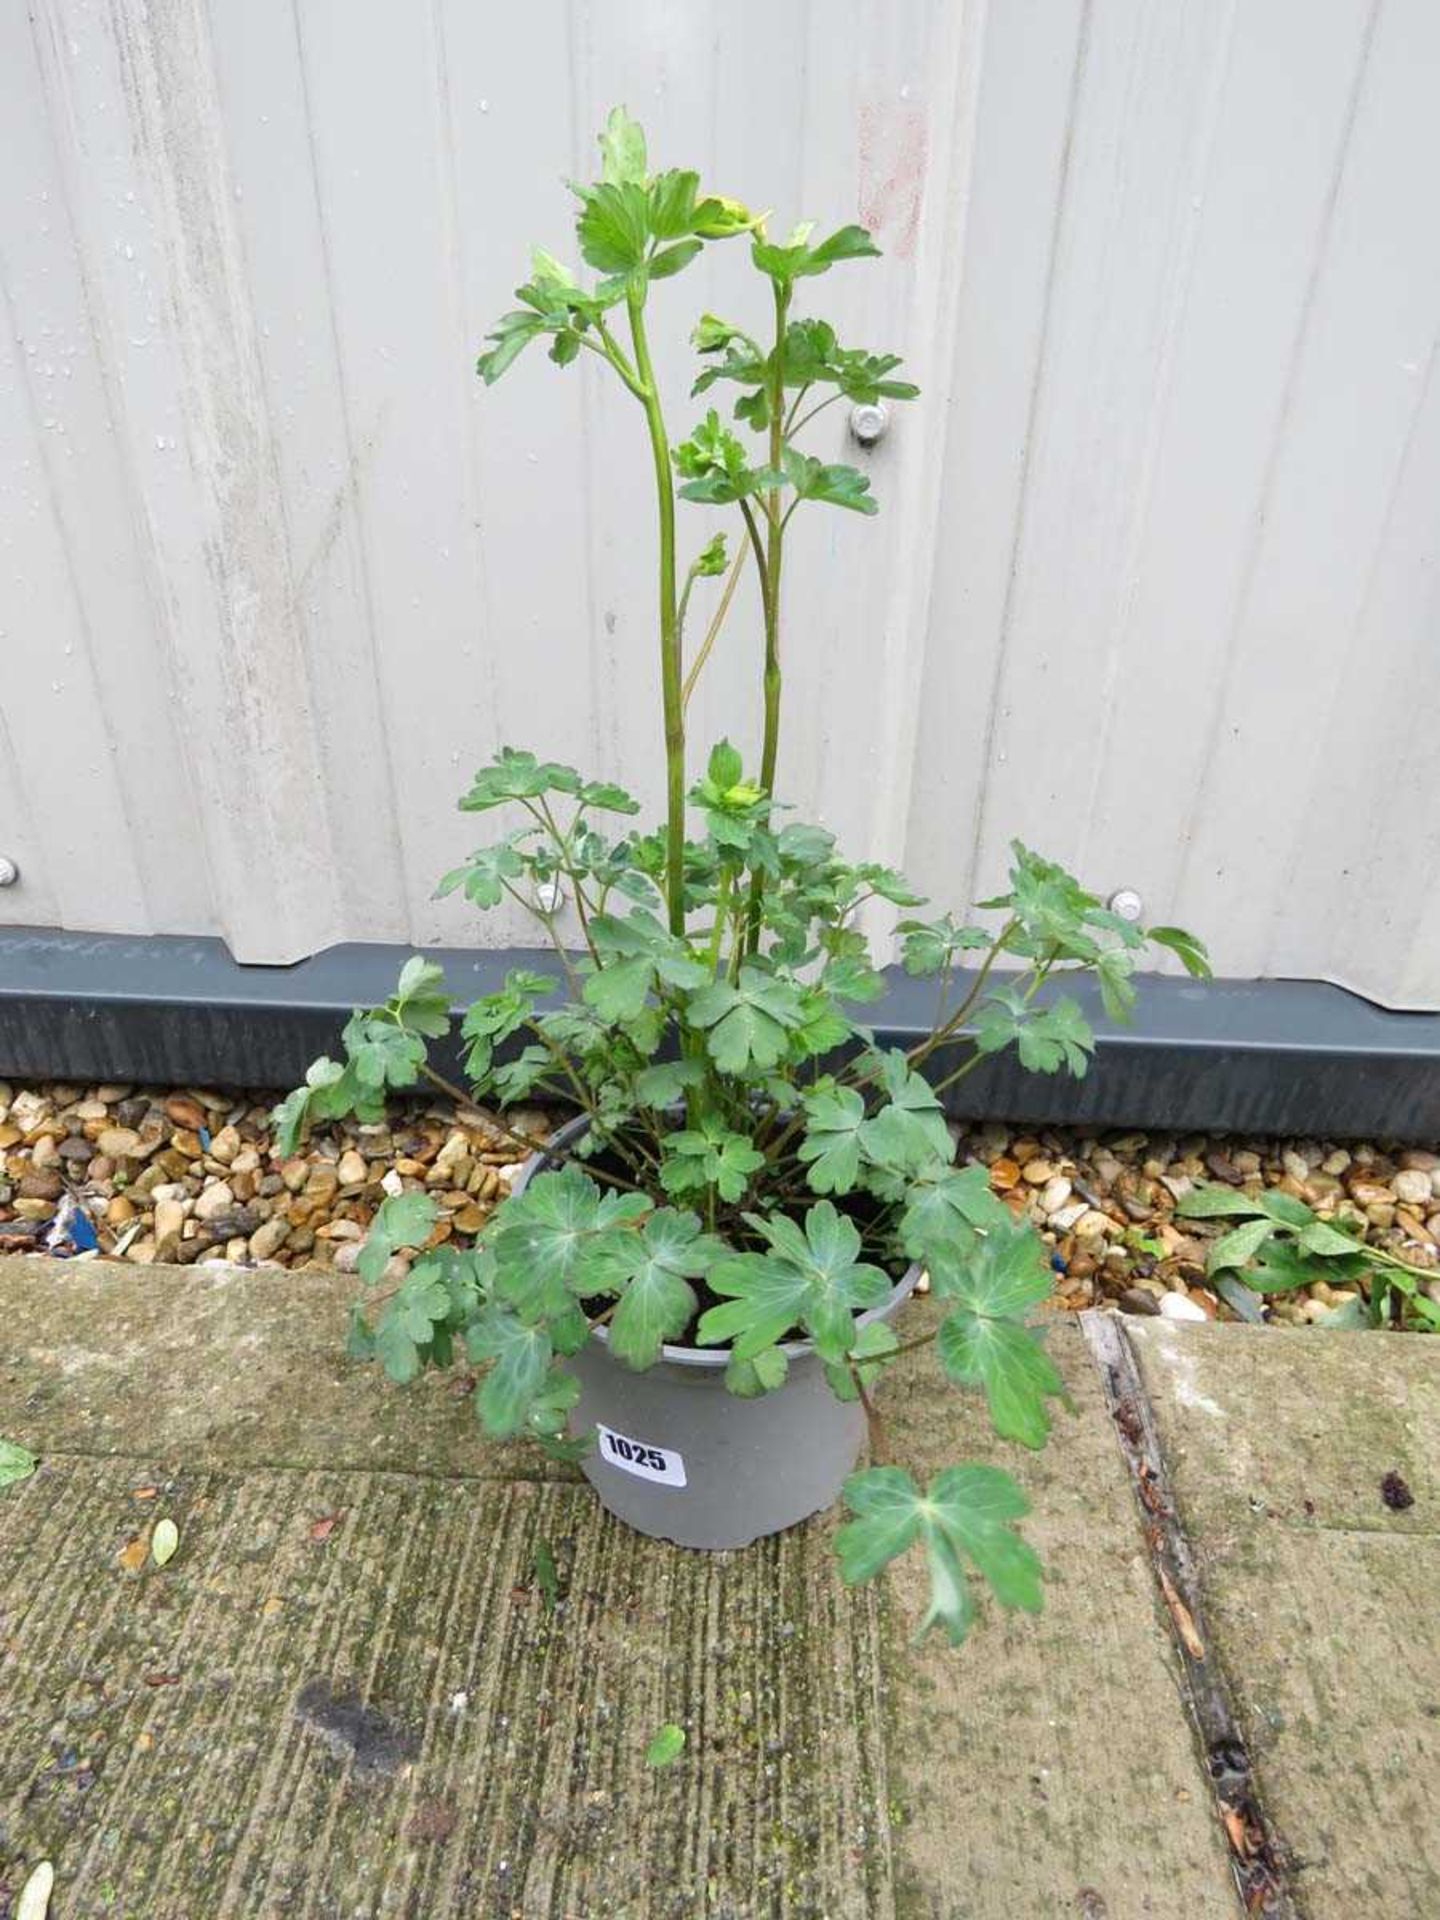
182	1175
177	1176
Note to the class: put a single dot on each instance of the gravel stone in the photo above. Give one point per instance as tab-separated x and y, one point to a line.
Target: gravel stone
214	1201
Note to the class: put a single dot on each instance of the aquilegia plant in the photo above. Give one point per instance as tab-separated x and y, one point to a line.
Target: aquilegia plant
756	1168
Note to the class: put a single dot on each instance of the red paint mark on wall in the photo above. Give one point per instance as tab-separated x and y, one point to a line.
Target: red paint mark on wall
894	148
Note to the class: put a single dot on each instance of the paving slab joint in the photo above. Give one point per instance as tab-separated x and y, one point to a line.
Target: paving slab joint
1259	1857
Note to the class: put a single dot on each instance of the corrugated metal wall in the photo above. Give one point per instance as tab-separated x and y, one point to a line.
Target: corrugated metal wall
1154	581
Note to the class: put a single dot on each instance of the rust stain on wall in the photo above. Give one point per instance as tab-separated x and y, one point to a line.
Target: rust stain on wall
894	151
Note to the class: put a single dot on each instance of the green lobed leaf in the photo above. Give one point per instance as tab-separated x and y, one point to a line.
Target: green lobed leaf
519	1359
767	1372
495	1017
984	1341
796	259
329	1091
619	989
622	149
614	226
846	243
672	260
404	1220
413	1325
966	1515
485	874
517	775
382	1053
714	465
833	486
811	1277
663	1085
747	1024
653	1269
517	1079
1009	1363
1046	1038
552	1404
606	797
943	1211
834	1117
710	1156
550	1242
290	1117
928	946
511	335
871	1347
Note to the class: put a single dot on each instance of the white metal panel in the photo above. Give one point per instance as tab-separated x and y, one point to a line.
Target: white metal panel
106	790
1153	583
1302	644
132	93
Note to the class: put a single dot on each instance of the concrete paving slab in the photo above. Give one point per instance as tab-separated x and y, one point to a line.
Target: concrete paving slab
1049	1767
391	1720
1321	1595
223	1366
270	1723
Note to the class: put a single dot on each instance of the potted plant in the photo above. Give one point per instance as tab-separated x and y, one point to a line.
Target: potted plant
691	1289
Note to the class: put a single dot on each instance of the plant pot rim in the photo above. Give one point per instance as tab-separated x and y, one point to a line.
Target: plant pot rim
710	1358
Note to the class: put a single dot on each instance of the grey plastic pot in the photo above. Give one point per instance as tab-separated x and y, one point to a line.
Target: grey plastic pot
680	1457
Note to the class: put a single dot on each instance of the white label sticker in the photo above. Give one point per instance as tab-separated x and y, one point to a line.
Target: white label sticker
660	1464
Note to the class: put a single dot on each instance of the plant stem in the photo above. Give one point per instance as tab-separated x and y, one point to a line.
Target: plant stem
671	677
774	551
612	352
567	867
938	1037
722	909
497	1125
879	1437
774	560
712	631
547	920
794	426
913	1346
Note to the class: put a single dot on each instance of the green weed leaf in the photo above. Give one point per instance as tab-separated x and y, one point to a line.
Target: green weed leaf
16	1463
665	1747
